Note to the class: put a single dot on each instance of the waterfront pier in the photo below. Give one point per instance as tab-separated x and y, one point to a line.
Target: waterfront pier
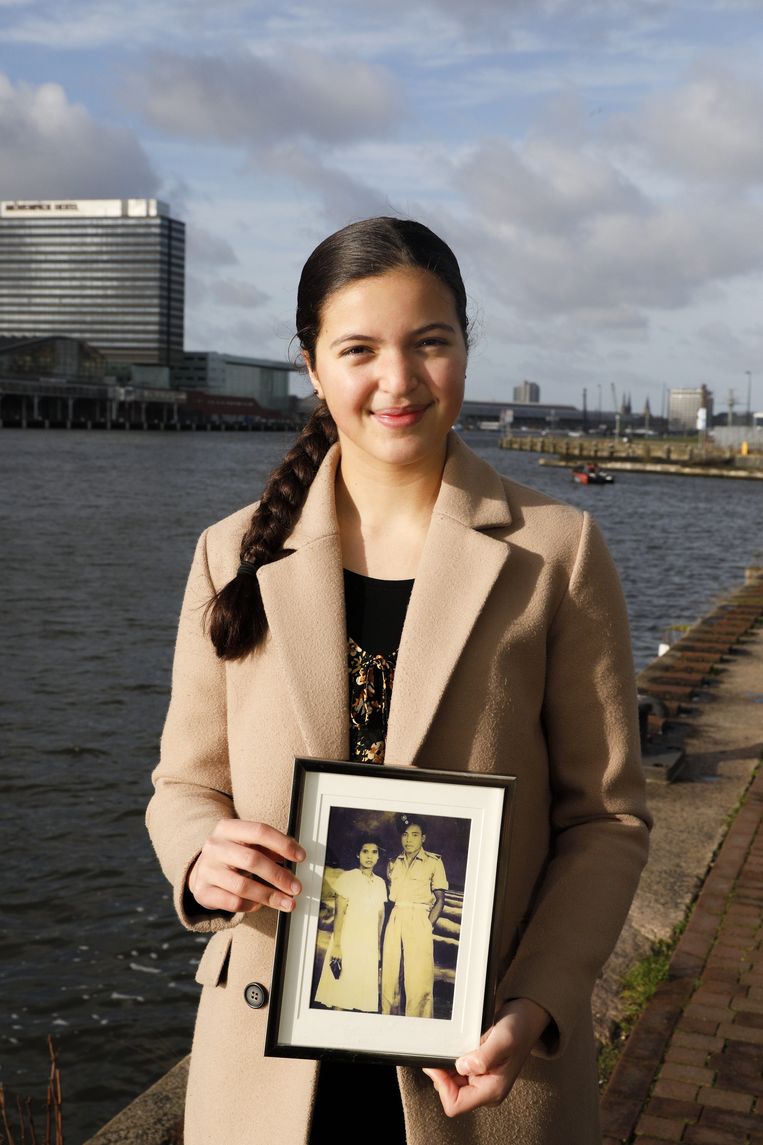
109	406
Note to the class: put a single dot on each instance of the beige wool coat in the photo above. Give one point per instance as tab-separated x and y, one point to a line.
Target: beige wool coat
515	659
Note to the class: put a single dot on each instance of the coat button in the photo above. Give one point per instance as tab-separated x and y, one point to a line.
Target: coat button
255	995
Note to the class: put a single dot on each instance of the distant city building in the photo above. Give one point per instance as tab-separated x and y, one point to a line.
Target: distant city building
683	405
259	378
110	272
526	393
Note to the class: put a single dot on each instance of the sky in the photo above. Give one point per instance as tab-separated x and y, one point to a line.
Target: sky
596	166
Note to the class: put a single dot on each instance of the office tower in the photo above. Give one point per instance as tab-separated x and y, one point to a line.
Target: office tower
108	271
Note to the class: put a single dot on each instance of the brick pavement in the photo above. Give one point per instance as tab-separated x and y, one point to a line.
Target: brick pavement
692	1068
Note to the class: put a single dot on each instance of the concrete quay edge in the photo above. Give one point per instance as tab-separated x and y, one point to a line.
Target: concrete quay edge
666	467
154	1117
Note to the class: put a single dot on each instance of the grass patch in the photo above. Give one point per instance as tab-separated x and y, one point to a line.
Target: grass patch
639	984
642	980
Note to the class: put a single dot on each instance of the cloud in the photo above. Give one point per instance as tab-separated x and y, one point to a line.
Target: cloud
707	129
205	291
254	336
248	100
206	249
342	197
544	187
565	223
610	269
732	352
233	292
51	148
82	24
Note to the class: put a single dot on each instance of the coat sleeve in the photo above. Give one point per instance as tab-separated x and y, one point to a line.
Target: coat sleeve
192	787
599	820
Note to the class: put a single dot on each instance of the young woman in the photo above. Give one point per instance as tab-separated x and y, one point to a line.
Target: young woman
350	974
495	639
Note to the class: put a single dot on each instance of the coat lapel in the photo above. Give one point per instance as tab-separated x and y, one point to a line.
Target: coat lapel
303	595
459	566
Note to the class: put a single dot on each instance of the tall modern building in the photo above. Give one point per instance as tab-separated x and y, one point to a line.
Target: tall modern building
110	272
527	392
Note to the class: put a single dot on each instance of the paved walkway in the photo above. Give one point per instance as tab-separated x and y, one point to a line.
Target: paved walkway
692	1069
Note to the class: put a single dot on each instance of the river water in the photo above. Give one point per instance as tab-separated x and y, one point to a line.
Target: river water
98	532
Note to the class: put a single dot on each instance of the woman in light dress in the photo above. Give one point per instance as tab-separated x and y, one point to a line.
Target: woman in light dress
350	975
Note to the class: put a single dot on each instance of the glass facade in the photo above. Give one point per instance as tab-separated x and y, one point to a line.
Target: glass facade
64	358
116	281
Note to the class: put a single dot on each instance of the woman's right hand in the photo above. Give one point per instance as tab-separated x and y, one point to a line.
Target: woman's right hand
240	868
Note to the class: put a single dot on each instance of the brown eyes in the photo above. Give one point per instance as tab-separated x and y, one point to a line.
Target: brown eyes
423	344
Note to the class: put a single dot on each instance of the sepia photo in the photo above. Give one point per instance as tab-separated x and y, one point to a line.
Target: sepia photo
390	916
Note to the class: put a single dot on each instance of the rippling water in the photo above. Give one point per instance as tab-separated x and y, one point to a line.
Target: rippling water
98	533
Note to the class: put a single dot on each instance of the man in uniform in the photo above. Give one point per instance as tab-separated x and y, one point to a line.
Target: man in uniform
417	886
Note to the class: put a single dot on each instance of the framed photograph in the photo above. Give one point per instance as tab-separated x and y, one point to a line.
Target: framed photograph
387	955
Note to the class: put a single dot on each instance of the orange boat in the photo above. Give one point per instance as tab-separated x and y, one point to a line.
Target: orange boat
592	474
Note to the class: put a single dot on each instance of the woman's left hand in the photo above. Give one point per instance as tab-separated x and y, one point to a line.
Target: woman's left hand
485	1076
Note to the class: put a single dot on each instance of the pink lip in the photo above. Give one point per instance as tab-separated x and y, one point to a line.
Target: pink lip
400	416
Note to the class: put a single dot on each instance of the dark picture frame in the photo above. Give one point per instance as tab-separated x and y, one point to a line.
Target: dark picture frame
400	881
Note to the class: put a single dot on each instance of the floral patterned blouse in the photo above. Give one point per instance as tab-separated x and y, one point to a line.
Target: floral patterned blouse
375	615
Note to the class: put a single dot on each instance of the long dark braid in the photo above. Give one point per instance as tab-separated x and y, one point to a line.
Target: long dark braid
237	621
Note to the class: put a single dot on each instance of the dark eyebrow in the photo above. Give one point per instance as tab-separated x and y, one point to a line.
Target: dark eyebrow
415	333
433	326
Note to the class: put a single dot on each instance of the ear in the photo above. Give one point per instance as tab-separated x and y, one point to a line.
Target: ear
313	376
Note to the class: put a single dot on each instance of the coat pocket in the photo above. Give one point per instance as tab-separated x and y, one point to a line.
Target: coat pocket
212	968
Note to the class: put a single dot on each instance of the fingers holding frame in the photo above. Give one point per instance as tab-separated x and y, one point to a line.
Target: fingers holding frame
240	868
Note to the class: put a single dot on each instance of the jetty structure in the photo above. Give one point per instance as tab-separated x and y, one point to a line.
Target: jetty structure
647	455
690	1068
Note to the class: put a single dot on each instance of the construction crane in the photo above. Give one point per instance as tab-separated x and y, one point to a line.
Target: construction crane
616	408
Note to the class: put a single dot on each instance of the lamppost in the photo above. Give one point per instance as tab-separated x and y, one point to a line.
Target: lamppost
748	419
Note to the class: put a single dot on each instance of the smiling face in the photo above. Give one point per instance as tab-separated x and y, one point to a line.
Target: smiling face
368	856
390	362
412	840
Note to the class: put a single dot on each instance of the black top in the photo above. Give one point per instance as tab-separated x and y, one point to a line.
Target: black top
375	615
375	612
